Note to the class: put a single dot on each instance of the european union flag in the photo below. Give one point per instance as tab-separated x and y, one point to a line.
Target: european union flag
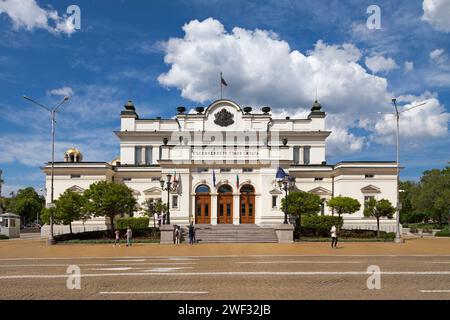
280	174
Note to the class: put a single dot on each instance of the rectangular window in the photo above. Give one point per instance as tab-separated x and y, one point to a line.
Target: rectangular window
296	156
13	223
199	210
243	209
369	176
174	201
126	179
318	179
250	209
306	154
75	176
228	209
200	170
137	155
224	170
247	170
274	201
148	155
206	209
221	210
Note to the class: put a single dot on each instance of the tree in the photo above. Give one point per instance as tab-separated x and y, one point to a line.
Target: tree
432	197
27	204
109	199
69	208
344	205
152	206
379	209
300	203
408	212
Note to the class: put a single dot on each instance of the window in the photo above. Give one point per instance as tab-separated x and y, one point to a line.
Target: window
224	170
12	223
306	154
126	179
148	155
174	201
318	179
75	176
296	155
155	179
369	176
200	170
137	155
247	170
274	201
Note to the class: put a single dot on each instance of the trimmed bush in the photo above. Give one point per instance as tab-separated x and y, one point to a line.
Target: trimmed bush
147	233
134	223
319	226
345	234
3	237
443	233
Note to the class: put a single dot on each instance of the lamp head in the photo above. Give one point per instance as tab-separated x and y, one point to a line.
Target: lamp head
161	182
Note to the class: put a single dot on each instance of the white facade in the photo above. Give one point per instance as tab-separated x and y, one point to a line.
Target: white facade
243	150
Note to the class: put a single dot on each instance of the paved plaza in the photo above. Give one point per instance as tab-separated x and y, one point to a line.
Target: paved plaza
418	269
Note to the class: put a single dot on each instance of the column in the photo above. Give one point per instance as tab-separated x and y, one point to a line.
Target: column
236	207
213	208
191	208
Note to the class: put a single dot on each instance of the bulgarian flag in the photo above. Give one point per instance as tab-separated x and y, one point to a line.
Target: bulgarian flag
237	181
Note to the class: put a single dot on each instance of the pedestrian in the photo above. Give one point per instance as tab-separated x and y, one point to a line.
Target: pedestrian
129	236
164	218
177	235
117	239
334	238
159	220
191	234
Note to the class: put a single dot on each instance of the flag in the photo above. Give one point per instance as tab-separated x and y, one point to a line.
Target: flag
179	187
237	181
222	80
214	178
280	174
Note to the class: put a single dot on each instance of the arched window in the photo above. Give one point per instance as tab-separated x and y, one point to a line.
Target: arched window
247	189
203	188
225	189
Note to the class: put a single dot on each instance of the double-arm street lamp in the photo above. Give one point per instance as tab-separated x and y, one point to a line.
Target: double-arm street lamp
51	239
397	113
285	184
168	188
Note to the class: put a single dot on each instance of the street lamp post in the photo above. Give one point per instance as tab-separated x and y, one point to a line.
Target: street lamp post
398	235
283	184
51	239
168	188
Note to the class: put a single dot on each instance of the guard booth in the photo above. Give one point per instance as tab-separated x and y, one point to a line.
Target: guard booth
10	225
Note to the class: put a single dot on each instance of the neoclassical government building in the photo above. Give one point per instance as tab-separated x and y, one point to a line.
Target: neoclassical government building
222	161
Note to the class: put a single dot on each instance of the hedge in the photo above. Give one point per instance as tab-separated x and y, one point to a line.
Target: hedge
147	233
344	233
443	233
318	226
134	223
3	237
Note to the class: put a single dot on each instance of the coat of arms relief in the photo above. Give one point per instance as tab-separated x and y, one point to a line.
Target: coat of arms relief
224	118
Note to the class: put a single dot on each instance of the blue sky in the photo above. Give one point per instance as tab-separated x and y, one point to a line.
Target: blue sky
163	54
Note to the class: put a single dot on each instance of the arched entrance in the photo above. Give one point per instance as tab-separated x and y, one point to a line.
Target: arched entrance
247	204
225	205
202	205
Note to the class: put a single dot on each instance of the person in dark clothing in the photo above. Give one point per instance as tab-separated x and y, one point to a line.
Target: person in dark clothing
191	234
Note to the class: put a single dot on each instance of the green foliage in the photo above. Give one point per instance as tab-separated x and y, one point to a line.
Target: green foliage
3	237
300	203
133	223
443	233
70	207
379	209
46	213
27	204
109	199
151	206
342	205
322	222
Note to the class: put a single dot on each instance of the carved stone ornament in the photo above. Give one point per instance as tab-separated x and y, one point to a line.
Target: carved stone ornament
224	118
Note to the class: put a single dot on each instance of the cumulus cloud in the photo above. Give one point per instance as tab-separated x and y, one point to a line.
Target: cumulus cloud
429	120
441	59
437	13
262	69
409	66
378	64
63	91
29	15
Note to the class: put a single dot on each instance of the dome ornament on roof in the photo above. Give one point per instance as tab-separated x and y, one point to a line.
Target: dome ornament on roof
73	155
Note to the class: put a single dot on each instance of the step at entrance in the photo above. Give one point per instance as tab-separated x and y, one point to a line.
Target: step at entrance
235	234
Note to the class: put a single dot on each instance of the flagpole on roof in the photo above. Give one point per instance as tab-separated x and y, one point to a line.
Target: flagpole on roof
221	84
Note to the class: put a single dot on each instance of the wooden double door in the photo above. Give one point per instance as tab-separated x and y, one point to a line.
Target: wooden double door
225	208
203	209
247	207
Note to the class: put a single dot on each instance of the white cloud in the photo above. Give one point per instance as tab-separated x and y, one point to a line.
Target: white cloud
437	13
429	120
262	69
29	15
63	91
441	59
379	64
409	66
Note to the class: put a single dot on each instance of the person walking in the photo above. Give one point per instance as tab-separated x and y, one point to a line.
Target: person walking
117	239
129	236
191	234
177	235
334	238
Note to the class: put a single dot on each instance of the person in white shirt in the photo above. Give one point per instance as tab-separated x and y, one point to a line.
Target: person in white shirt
334	239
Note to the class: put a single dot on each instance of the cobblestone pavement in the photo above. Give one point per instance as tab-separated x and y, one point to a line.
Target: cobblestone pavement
418	269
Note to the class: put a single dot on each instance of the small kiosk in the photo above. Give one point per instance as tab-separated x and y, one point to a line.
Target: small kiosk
10	225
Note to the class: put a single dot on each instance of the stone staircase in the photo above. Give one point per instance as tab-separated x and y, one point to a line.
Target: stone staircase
234	234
